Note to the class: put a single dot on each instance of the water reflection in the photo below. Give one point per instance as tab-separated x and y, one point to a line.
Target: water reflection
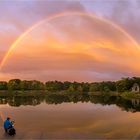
127	105
72	116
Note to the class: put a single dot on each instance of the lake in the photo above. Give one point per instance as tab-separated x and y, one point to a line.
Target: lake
95	119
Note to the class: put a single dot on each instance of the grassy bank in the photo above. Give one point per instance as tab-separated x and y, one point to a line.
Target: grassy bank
130	95
32	93
38	93
23	93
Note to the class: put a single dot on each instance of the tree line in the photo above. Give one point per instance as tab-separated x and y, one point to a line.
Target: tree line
125	84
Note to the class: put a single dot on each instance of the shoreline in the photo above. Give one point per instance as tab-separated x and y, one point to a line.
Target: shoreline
26	93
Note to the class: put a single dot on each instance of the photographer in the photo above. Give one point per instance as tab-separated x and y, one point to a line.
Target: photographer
7	124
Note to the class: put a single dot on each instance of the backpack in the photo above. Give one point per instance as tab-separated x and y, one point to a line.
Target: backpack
11	131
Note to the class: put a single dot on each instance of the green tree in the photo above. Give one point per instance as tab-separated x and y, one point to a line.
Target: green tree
54	86
17	84
80	88
26	85
14	84
66	85
71	88
125	84
85	86
37	85
94	87
3	85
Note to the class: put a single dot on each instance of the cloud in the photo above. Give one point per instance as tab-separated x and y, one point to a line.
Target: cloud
82	50
125	11
70	47
17	16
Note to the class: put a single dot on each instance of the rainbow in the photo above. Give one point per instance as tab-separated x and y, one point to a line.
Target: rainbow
14	45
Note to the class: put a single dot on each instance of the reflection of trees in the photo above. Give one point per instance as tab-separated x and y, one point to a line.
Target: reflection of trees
127	105
56	98
61	98
18	101
3	100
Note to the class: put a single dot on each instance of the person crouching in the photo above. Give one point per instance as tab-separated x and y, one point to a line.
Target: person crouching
7	124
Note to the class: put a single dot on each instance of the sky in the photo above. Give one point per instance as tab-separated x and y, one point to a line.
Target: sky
69	40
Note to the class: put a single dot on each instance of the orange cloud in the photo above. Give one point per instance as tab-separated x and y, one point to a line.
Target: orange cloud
84	50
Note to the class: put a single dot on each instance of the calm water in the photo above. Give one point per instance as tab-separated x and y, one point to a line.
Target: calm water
68	120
